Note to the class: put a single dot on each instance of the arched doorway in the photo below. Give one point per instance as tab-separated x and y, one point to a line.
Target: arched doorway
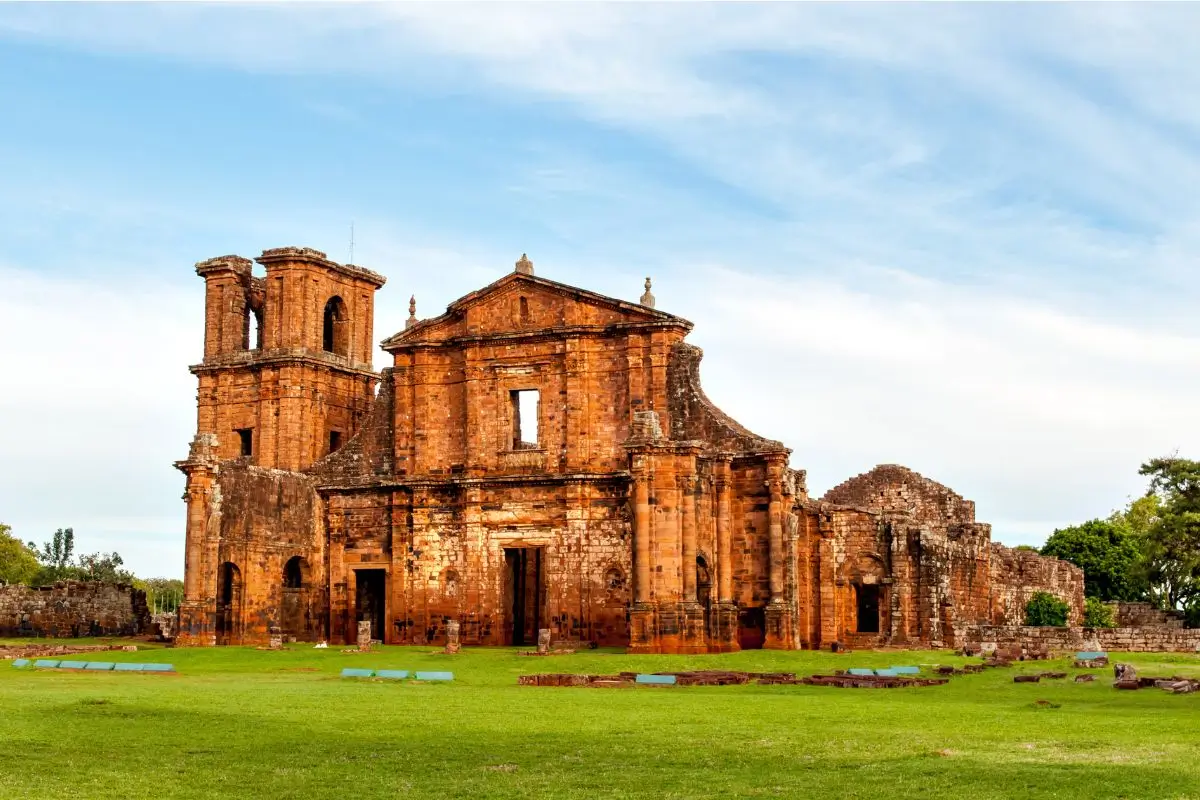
229	604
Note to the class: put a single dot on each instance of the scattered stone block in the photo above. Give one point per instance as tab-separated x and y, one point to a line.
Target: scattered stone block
1127	685
1026	678
1084	678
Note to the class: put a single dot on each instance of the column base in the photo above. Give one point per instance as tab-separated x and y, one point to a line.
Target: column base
643	628
779	627
195	627
723	628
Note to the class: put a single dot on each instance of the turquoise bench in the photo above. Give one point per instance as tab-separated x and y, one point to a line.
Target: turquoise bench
72	665
157	668
350	672
1090	655
887	673
392	674
46	663
100	666
128	668
906	670
434	676
656	680
20	662
860	672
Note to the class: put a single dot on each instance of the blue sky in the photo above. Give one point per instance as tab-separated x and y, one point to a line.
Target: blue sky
959	237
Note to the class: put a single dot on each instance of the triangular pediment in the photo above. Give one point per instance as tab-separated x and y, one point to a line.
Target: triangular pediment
520	304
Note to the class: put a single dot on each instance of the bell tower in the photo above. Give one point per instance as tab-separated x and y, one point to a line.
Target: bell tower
287	373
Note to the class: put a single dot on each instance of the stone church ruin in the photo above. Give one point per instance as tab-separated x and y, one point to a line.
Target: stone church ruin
538	457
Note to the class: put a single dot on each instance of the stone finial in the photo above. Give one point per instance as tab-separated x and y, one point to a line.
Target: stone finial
412	312
524	265
647	298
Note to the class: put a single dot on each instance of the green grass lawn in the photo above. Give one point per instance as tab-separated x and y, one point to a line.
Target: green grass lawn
245	723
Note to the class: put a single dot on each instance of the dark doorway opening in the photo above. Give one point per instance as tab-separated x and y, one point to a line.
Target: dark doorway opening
229	601
371	600
868	608
752	628
524	592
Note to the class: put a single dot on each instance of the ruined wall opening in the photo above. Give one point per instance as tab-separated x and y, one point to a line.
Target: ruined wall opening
703	583
752	628
245	441
524	593
293	573
229	603
252	330
335	441
524	305
525	406
867	601
371	599
335	331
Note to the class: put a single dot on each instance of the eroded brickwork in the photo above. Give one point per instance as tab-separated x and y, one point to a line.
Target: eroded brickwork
537	457
72	609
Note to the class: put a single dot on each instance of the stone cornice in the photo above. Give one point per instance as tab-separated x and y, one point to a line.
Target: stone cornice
307	255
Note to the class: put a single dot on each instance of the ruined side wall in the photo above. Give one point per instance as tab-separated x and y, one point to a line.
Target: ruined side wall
1150	639
1017	574
266	518
73	608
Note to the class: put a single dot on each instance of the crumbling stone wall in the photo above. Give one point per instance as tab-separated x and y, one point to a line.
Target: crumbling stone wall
1144	615
1148	639
73	609
1017	574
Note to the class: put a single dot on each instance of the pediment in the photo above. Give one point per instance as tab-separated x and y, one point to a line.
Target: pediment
520	304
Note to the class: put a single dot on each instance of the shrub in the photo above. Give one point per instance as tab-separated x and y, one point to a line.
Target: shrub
1046	610
1096	614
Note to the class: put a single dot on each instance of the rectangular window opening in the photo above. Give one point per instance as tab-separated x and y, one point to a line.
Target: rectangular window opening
335	441
525	404
247	440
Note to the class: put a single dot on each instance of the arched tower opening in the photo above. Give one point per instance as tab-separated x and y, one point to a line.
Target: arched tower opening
335	331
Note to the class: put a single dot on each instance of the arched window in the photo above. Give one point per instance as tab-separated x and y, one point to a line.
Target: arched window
524	311
252	329
335	337
614	579
293	573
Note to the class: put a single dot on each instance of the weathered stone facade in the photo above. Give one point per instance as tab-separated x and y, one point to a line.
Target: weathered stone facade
538	456
73	609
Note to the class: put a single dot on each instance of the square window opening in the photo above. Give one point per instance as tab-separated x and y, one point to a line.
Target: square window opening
246	437
335	441
525	405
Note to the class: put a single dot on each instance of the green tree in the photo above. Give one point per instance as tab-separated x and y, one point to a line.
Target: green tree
1171	546
1097	615
104	567
1108	555
1046	610
57	557
18	563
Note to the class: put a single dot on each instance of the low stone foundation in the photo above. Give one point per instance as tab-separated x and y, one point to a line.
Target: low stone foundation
72	609
1149	639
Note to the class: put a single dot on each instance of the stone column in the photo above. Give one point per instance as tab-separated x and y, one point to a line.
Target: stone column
642	634
724	618
778	617
687	497
694	638
197	611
